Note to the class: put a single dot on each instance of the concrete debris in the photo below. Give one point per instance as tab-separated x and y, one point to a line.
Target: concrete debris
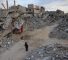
49	52
38	16
7	22
48	18
34	23
6	43
61	31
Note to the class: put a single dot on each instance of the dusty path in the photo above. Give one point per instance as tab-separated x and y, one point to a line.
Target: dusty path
17	52
38	38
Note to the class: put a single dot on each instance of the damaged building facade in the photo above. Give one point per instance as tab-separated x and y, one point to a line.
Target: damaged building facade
36	10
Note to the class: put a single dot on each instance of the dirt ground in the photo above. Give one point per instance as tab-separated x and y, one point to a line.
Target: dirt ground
36	38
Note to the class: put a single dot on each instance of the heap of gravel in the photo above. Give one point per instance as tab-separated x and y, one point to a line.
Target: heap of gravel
49	52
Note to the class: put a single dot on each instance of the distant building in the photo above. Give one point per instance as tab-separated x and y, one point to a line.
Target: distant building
15	11
35	10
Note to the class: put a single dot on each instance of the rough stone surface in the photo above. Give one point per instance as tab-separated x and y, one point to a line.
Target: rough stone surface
49	52
61	31
48	19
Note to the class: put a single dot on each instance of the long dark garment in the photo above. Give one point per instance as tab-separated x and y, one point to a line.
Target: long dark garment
26	46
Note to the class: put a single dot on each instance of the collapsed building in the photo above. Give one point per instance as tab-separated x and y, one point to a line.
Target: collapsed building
18	8
13	22
35	10
18	18
14	12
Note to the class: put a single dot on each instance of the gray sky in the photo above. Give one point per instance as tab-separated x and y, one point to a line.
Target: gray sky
48	4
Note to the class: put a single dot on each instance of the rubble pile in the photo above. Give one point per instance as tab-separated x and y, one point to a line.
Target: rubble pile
49	52
52	17
6	43
34	23
48	18
61	31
